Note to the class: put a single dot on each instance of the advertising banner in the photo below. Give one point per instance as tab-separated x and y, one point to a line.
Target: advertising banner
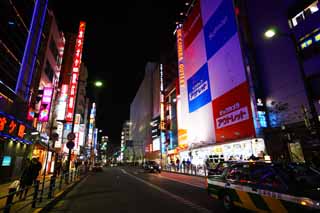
199	89
193	25
232	113
220	28
45	104
62	102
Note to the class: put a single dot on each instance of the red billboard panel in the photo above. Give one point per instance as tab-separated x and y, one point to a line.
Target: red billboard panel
232	114
75	72
192	25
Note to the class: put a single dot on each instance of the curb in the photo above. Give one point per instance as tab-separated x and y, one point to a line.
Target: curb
58	197
184	174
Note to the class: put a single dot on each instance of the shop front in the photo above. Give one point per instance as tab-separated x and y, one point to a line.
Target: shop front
238	150
44	155
16	139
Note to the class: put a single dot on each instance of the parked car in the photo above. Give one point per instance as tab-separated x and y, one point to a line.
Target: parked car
263	186
152	166
97	167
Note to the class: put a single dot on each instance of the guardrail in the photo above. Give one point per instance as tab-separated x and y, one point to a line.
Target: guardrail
189	170
38	192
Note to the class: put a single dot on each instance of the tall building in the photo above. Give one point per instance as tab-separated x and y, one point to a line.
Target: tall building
127	153
144	108
282	92
241	94
20	35
45	89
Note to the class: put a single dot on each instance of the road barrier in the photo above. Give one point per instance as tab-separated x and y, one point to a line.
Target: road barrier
38	193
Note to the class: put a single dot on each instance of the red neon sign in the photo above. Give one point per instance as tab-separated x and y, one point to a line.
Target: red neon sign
75	72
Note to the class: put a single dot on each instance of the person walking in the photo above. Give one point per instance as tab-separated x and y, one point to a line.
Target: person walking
57	169
26	180
184	165
178	164
35	167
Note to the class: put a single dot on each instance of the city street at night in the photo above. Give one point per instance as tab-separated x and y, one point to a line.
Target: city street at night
159	106
125	189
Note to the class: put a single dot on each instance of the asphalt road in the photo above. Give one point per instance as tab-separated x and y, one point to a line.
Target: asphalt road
132	190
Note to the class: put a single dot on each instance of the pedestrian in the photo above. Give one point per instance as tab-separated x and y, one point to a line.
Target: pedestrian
184	165
178	164
188	165
26	180
35	167
57	169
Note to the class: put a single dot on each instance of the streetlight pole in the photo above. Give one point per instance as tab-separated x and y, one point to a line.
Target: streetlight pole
316	124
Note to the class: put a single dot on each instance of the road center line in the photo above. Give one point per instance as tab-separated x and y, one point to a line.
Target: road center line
178	198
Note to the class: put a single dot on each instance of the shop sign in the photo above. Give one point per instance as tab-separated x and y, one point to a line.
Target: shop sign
75	72
45	104
12	128
199	89
6	161
180	57
232	114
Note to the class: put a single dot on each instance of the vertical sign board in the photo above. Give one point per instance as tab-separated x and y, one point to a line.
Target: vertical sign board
91	125
95	140
182	141
62	102
75	72
76	132
45	104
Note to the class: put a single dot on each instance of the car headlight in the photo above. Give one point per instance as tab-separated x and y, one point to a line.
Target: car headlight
151	167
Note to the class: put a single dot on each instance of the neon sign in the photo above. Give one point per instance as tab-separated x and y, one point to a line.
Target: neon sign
45	104
75	72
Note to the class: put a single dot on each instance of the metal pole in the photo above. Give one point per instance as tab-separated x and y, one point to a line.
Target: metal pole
73	120
307	87
44	173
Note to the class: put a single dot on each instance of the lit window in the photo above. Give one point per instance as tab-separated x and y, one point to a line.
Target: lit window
301	16
309	42
313	7
317	37
306	43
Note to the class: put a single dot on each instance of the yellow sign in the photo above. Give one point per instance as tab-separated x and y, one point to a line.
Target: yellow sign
180	57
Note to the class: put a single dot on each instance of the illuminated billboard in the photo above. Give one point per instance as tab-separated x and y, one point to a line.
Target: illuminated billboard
75	72
215	104
45	104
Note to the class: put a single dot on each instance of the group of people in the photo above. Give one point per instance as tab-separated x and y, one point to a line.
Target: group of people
29	176
185	164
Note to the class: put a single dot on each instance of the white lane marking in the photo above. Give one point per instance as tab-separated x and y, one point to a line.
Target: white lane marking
176	197
191	184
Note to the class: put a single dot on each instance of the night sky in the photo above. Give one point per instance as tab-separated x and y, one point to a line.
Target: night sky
121	36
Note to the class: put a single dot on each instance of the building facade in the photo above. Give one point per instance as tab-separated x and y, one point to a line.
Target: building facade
144	107
286	72
18	56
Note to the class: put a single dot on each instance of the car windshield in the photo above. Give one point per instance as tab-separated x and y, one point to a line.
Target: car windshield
152	163
299	173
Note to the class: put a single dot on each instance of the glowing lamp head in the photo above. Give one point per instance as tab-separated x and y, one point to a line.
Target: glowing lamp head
270	33
98	84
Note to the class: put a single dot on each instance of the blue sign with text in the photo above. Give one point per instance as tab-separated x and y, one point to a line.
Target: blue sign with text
220	28
199	89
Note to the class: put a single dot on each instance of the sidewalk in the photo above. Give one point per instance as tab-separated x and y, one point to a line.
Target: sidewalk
192	180
25	205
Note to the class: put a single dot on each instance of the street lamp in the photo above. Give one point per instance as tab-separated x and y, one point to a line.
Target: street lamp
272	32
98	83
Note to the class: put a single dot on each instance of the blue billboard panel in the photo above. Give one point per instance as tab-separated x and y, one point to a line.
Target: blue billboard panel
220	28
199	89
